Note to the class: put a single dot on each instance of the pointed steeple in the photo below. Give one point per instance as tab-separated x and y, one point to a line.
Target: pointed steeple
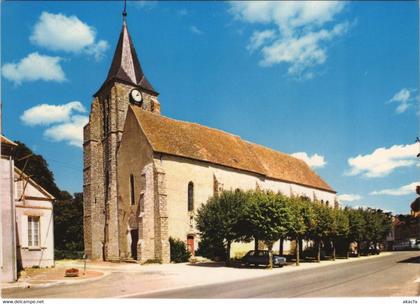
125	66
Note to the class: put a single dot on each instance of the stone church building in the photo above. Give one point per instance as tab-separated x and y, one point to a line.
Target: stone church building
145	175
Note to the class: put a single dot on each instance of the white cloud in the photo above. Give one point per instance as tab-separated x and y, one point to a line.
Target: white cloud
58	32
300	31
34	67
98	49
70	132
349	197
196	30
314	161
403	97
383	161
64	125
301	52
259	38
403	190
45	114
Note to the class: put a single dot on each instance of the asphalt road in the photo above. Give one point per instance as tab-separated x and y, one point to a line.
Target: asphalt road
392	275
387	275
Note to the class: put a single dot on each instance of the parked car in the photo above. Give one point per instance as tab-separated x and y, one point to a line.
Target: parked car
374	249
260	257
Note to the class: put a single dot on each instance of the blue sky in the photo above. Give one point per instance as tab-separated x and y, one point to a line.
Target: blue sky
335	82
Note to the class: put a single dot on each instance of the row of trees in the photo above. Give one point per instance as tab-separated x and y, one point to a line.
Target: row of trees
238	216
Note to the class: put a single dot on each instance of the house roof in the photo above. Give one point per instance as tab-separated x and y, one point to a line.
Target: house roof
194	141
34	184
7	146
125	66
5	140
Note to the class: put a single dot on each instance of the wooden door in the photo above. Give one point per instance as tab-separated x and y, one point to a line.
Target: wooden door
190	244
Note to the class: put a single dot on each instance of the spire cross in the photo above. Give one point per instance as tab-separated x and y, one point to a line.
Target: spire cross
125	9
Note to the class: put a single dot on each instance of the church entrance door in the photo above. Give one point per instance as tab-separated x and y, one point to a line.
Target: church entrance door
190	244
134	240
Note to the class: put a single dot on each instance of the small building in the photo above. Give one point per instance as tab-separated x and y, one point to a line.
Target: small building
27	234
34	222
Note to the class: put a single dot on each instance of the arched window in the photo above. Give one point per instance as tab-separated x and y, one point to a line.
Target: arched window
190	196
152	106
327	203
132	196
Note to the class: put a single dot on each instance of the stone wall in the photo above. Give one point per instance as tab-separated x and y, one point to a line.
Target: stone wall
93	183
134	154
162	250
180	171
101	211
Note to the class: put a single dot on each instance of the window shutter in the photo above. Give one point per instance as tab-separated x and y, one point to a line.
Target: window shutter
24	231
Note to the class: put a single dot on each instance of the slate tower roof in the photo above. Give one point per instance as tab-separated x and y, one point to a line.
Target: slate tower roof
125	66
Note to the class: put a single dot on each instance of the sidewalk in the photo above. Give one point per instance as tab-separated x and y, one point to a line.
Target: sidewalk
156	277
45	277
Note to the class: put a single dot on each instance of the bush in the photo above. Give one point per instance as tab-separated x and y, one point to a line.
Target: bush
179	252
212	250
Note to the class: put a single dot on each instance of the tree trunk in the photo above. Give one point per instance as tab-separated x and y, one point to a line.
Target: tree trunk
318	251
256	244
281	246
347	250
300	246
333	253
270	255
228	254
297	252
358	249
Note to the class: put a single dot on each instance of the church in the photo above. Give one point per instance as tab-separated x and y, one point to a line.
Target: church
145	175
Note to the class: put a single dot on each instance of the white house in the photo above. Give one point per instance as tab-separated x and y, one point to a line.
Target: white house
27	234
35	224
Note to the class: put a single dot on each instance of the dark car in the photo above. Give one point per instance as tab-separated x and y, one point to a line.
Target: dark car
374	249
260	257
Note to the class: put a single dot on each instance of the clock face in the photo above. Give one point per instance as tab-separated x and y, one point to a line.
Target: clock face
135	96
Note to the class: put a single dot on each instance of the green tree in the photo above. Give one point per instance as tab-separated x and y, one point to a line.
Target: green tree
220	220
324	227
268	218
37	168
302	219
377	225
68	222
357	226
341	228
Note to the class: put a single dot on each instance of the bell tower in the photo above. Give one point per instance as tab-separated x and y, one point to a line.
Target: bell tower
124	84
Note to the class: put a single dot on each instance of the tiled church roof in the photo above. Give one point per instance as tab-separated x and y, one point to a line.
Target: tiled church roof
198	142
